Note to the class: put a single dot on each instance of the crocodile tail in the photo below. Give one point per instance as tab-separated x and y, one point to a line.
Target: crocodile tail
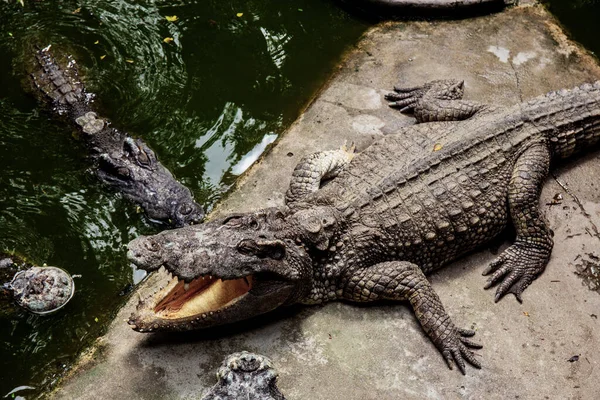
59	85
569	118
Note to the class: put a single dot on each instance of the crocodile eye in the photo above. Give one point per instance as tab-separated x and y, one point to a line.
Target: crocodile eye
233	221
185	209
143	158
254	224
151	245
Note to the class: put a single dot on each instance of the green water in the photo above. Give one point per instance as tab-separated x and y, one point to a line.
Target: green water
236	74
580	18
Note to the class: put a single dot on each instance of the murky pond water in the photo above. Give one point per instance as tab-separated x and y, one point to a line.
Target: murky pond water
208	91
580	18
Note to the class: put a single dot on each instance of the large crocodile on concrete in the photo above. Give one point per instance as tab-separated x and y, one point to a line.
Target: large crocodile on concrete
245	376
126	164
389	218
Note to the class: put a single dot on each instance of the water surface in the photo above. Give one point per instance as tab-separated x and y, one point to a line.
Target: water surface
580	18
208	91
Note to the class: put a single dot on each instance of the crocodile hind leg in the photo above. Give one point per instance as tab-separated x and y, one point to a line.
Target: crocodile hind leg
314	168
401	280
435	101
522	262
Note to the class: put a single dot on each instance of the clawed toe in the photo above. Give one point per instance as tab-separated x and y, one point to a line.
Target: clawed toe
405	98
457	349
405	102
515	269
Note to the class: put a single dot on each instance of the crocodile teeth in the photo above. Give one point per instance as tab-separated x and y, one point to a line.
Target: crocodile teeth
186	286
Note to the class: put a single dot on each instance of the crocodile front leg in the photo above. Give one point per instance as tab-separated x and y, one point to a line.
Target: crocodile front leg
314	168
400	280
435	101
522	262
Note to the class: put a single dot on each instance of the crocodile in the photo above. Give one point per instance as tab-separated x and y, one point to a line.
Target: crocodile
124	163
40	290
247	376
382	220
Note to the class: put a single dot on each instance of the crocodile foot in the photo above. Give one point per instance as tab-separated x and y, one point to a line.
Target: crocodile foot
456	347
406	98
517	267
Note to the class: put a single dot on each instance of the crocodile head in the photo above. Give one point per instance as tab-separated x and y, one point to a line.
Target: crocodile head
138	175
229	269
245	376
176	208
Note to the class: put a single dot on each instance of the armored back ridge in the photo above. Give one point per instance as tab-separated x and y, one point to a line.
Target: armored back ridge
126	164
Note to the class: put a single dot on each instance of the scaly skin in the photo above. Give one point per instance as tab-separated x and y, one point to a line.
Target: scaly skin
391	216
128	165
36	289
246	376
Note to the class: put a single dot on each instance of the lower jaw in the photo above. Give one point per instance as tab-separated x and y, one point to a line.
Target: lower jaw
190	305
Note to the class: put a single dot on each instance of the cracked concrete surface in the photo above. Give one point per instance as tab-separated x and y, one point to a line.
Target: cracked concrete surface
345	351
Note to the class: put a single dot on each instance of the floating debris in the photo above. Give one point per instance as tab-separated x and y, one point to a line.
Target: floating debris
589	270
42	290
557	199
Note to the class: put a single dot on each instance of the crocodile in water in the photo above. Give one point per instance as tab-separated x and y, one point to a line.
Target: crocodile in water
385	220
126	164
246	376
40	290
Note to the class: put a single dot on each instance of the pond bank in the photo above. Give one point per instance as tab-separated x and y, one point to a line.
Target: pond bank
345	351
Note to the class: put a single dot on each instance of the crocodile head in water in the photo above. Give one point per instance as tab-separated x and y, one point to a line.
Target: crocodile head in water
245	376
138	175
229	269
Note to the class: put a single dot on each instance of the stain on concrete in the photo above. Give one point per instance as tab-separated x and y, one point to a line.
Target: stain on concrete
523	56
367	124
353	96
502	53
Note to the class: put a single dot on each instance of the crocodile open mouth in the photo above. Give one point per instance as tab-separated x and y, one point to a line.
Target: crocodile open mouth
205	294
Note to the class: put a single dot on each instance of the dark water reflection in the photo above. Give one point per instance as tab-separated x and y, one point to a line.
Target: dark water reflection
208	102
580	18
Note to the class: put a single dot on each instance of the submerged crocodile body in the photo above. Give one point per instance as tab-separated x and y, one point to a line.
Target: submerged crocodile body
126	164
385	220
246	376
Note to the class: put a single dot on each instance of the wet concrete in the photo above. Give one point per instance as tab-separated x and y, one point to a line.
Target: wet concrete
345	351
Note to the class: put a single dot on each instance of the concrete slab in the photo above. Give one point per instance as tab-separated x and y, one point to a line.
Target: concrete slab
345	351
